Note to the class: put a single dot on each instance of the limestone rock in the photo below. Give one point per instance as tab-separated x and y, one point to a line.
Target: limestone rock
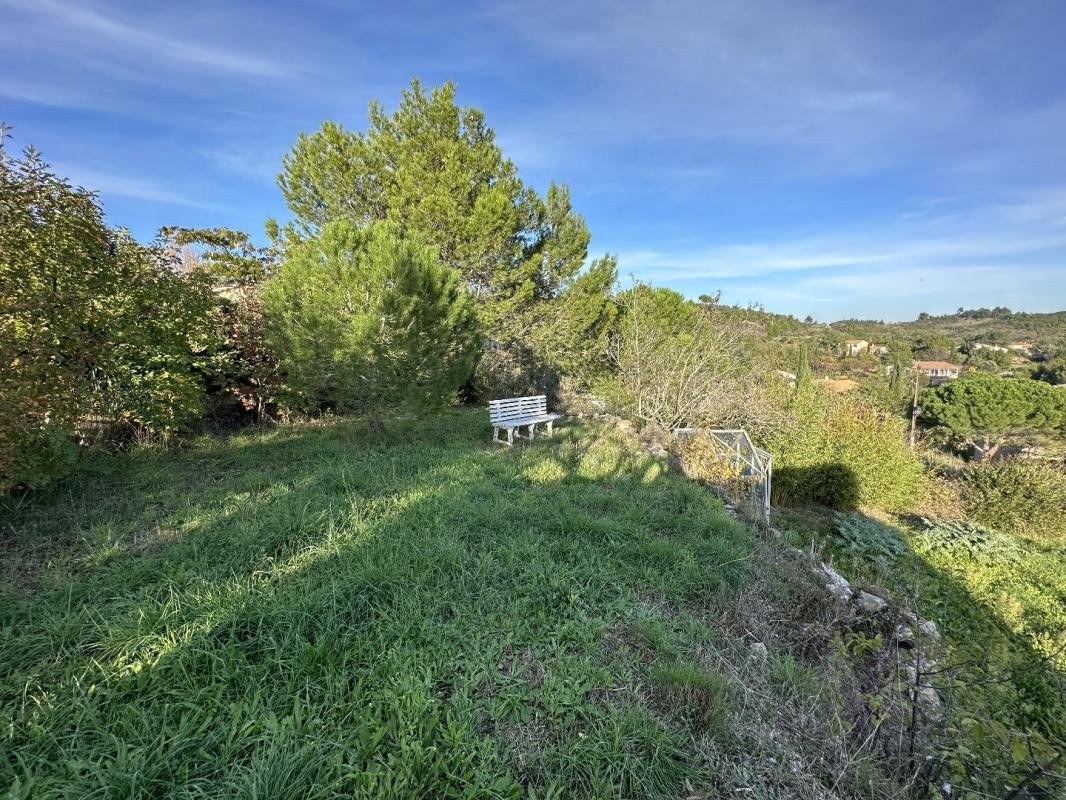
871	603
836	584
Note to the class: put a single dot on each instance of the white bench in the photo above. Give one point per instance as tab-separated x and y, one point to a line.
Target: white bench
519	412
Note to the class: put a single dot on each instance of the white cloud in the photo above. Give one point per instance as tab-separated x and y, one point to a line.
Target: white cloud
136	188
78	28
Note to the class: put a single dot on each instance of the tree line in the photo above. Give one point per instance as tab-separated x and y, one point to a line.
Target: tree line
416	269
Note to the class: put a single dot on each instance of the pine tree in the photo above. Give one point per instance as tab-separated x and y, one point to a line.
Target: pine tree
434	168
364	318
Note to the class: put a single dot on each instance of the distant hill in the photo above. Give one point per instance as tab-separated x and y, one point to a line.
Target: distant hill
995	326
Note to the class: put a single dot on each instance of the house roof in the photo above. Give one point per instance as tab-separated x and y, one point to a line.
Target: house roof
935	365
855	341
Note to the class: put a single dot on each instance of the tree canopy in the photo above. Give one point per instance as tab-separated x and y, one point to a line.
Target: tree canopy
434	168
364	318
980	404
91	323
225	254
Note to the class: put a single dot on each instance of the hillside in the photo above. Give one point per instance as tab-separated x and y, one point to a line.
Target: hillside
996	325
324	610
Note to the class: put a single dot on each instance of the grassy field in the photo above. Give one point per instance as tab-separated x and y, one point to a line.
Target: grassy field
327	611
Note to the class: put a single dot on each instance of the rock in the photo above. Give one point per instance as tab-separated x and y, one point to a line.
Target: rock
928	630
904	635
871	603
924	694
758	651
836	584
926	627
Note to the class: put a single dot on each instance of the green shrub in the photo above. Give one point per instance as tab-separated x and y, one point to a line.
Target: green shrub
91	324
43	454
868	538
363	318
1018	494
957	538
832	450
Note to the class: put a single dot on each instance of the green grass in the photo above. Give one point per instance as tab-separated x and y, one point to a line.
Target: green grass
328	611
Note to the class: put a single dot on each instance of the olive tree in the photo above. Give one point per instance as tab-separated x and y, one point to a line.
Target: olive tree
679	363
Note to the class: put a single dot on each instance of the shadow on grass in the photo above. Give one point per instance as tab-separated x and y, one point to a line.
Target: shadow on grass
1003	692
333	611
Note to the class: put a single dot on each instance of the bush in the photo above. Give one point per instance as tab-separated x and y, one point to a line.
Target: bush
91	324
868	538
1018	494
964	539
362	319
840	453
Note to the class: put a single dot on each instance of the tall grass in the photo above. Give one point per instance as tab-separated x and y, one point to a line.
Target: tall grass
314	612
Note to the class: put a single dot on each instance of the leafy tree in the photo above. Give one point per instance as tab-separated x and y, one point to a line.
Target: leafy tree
246	378
435	169
228	255
990	407
575	336
933	346
681	364
1053	372
91	324
363	318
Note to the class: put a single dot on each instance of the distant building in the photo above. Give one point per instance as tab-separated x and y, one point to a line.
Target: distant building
1021	347
880	350
854	347
937	371
993	347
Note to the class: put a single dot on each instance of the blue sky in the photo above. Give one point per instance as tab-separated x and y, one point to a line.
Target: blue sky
828	158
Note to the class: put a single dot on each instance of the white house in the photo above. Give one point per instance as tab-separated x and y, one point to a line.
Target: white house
854	347
937	371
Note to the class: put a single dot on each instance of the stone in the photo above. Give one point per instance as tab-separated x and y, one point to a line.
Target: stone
928	630
836	584
871	603
904	635
758	651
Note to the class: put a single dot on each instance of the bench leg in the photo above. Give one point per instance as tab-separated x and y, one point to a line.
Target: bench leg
531	429
550	431
510	437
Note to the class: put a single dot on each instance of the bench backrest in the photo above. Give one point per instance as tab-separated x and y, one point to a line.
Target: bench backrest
515	408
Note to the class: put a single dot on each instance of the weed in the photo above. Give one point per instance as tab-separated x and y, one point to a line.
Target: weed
693	693
799	680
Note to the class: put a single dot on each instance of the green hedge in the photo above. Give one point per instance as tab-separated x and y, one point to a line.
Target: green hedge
842	453
1019	494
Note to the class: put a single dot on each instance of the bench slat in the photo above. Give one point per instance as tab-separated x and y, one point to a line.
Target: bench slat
513	410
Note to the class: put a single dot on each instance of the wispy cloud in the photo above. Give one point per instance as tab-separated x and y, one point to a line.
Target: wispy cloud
109	185
102	30
823	253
